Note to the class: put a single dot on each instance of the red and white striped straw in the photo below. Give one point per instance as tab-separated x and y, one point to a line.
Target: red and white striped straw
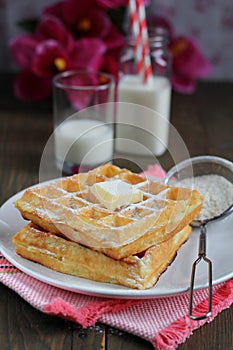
139	28
147	71
134	26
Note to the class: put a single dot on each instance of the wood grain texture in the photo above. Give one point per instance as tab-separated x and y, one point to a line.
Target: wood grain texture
205	122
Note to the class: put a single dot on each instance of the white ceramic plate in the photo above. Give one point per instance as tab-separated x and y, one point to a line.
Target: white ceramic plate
175	280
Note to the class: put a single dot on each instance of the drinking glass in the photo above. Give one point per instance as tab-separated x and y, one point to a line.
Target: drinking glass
83	106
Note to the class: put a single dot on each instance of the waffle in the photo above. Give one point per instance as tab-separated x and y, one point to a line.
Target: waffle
67	206
136	271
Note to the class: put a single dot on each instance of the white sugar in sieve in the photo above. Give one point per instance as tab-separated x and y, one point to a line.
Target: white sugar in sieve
190	173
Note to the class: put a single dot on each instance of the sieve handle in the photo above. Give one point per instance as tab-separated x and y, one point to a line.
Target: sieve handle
201	256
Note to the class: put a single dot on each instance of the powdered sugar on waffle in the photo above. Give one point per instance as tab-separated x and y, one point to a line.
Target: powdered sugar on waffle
69	205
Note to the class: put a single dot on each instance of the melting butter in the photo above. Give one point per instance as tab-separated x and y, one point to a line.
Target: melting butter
115	194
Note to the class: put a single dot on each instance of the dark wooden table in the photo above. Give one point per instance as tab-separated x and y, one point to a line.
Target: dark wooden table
204	120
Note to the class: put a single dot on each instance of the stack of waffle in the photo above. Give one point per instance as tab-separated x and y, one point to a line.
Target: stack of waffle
125	238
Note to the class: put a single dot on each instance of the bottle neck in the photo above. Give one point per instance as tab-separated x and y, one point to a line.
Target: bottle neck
158	37
159	53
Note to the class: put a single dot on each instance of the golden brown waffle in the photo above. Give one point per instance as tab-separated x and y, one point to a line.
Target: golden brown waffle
68	206
137	271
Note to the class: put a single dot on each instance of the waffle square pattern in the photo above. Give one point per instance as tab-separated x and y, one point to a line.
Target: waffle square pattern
70	207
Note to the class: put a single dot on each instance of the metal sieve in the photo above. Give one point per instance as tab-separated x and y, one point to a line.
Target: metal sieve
190	168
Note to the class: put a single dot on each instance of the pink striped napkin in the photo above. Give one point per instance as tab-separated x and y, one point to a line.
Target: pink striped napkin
162	321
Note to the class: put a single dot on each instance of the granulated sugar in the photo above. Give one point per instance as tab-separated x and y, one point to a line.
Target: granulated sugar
217	192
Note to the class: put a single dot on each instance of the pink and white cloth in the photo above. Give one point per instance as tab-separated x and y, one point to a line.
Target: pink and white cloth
162	321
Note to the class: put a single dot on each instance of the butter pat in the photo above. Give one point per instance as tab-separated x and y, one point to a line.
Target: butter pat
115	194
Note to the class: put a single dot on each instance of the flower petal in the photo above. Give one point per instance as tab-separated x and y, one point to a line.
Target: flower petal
88	20
72	13
55	9
30	87
183	84
188	59
44	61
87	53
110	64
51	27
100	24
114	39
22	49
80	98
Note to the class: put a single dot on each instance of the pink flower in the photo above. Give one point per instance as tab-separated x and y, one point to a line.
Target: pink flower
50	51
83	19
189	64
86	19
90	20
70	35
50	58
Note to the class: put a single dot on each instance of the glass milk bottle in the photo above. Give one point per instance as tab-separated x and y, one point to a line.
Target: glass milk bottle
149	131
